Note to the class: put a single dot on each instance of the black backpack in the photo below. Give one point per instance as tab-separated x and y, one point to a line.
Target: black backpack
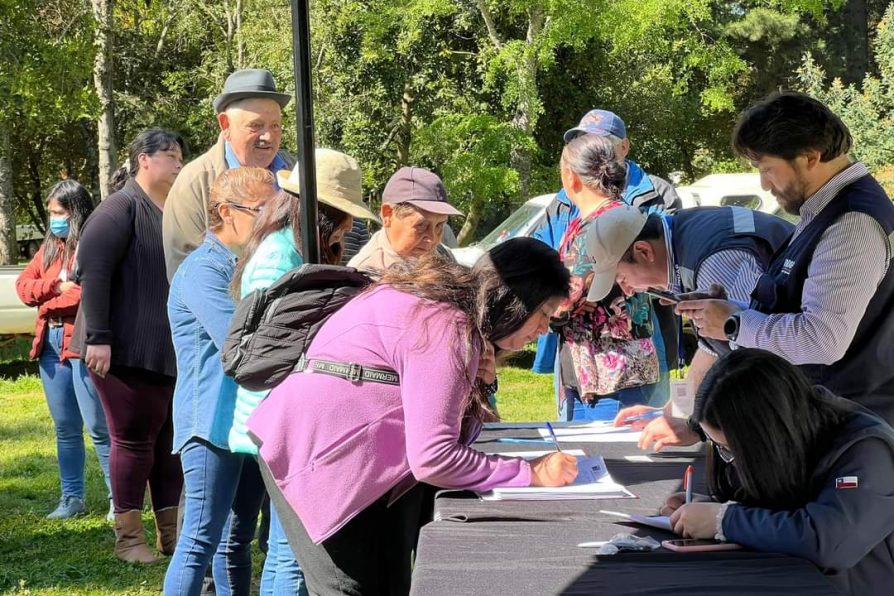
271	328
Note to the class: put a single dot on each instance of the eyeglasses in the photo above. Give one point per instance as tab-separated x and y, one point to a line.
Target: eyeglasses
239	207
725	454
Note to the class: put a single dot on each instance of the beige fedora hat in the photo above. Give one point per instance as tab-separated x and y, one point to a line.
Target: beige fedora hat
338	183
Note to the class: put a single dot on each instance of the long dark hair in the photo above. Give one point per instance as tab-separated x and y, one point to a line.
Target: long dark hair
498	295
776	424
75	199
150	142
281	212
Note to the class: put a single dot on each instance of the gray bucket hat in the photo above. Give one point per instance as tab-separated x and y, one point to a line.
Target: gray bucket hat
251	82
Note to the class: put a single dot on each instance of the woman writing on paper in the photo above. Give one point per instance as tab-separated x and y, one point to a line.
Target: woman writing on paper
796	470
344	455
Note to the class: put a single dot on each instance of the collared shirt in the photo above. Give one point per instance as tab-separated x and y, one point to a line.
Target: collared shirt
276	165
848	264
377	254
200	308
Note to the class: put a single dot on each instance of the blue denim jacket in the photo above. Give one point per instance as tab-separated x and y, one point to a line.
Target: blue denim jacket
200	308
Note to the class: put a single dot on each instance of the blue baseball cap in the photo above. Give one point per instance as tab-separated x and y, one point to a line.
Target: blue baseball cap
598	122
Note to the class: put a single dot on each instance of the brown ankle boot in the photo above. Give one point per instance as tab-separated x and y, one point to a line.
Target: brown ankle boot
166	530
130	542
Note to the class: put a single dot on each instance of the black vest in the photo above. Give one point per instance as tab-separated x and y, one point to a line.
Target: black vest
698	233
865	373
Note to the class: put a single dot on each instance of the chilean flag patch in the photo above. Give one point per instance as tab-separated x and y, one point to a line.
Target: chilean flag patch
847	482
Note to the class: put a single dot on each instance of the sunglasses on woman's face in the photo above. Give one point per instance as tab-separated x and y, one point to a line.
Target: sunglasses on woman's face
238	207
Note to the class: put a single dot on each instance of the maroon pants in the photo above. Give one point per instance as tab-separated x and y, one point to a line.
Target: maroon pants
142	437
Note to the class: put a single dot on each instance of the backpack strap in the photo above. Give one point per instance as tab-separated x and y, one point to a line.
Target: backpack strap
351	371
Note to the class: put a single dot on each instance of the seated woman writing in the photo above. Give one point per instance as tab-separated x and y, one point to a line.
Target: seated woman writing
796	470
344	452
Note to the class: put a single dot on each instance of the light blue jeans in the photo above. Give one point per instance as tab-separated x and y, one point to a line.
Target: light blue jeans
73	402
223	494
282	576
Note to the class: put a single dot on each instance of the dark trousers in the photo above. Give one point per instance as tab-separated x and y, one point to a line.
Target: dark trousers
372	555
142	432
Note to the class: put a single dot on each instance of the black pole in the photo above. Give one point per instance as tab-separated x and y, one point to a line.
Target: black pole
310	236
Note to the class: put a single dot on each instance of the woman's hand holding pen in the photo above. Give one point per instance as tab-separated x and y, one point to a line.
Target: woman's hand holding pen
696	520
553	469
672	503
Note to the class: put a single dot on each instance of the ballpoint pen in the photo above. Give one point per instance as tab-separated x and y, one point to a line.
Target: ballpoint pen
552	434
687	484
646	416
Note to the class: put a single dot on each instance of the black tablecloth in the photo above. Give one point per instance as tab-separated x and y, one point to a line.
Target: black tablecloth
530	547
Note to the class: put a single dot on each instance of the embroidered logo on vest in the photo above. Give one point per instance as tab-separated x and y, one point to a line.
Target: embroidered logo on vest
787	266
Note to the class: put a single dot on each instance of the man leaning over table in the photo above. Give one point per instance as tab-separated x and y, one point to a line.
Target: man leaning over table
690	251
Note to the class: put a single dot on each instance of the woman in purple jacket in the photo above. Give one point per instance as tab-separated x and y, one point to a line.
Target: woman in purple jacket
344	456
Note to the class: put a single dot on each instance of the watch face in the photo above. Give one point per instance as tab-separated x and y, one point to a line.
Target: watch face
731	328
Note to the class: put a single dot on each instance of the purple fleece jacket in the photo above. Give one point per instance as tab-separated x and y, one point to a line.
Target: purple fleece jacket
334	447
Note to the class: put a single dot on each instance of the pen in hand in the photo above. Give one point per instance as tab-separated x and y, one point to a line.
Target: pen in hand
647	416
552	434
687	484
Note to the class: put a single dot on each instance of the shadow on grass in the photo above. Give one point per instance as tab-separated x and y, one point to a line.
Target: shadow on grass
18	368
22	430
73	554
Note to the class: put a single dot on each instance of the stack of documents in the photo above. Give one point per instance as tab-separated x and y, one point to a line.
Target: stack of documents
593	482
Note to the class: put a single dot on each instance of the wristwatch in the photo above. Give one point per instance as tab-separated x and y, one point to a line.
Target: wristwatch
731	327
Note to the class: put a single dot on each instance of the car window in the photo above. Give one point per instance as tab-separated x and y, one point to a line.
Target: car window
749	201
512	226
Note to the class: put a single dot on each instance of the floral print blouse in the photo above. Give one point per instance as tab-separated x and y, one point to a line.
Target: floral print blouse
610	341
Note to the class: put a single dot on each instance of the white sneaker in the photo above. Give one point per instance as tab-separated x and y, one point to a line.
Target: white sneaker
110	516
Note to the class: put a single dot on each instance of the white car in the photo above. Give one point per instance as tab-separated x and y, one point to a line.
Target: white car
522	222
728	190
15	317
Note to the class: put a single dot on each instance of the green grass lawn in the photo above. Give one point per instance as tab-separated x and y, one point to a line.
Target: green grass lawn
75	557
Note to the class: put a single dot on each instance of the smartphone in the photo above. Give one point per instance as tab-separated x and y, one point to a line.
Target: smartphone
664	295
692	545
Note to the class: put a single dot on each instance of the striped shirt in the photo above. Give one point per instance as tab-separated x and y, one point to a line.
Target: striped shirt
847	267
354	239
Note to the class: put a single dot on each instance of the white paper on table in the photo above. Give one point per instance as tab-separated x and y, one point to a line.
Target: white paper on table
593	482
603	433
662	522
541	424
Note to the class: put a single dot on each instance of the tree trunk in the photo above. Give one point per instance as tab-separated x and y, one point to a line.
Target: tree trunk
102	79
855	34
240	44
471	223
8	247
405	127
525	115
37	205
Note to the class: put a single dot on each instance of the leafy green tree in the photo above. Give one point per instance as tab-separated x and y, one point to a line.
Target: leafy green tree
45	100
867	110
472	153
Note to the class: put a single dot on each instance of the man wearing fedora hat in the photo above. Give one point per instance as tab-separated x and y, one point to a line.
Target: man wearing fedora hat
249	112
414	212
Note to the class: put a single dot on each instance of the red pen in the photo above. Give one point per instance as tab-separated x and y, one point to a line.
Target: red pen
687	484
